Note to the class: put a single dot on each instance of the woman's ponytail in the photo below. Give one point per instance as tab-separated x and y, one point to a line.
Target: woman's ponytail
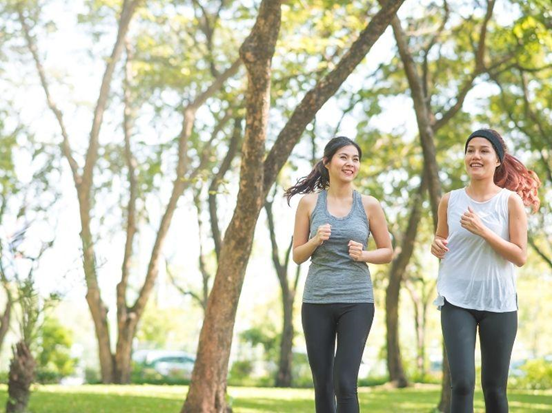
318	178
513	175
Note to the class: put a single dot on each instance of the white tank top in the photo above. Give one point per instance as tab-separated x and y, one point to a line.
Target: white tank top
472	275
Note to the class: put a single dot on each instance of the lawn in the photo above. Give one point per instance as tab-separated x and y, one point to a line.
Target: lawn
160	399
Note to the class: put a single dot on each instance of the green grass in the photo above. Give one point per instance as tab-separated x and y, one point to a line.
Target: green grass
160	399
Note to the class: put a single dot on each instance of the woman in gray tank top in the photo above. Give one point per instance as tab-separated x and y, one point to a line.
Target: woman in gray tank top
481	235
332	226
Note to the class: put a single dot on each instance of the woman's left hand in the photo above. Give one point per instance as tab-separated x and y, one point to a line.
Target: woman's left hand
355	250
471	221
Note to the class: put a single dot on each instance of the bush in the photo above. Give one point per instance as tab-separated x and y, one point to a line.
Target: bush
372	381
47	376
240	374
535	375
92	376
301	373
428	378
54	360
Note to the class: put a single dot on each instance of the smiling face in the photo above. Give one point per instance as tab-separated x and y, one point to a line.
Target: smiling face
344	165
480	159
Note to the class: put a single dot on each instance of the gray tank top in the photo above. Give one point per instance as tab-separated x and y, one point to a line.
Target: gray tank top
333	276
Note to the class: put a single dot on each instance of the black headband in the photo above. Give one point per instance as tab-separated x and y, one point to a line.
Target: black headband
491	137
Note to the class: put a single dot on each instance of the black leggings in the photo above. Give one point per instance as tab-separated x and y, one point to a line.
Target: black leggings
335	373
497	332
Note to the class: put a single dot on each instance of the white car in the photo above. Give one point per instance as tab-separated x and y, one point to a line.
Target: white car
174	364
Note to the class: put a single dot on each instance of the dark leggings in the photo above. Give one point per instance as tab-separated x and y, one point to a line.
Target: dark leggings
335	373
497	332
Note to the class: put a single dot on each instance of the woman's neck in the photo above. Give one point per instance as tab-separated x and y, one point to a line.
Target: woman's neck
482	188
340	191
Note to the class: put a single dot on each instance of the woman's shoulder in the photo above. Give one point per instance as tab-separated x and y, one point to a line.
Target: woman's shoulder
369	202
307	204
308	201
514	200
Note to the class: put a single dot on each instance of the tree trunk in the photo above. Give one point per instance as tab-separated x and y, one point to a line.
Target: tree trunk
396	274
419	323
394	359
284	377
123	354
21	376
233	148
98	310
422	343
284	374
207	391
420	320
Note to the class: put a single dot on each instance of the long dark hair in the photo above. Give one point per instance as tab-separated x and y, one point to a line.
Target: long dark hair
512	174
319	178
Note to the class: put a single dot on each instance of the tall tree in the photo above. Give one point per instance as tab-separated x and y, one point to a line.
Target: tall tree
84	177
429	121
115	365
208	386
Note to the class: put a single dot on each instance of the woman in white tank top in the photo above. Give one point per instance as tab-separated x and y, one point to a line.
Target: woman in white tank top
481	236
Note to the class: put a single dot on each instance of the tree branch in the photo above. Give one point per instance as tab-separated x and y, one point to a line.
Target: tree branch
181	289
233	146
207	149
208	29
131	164
425	129
33	48
280	269
478	69
427	49
323	90
540	252
127	12
202	265
179	185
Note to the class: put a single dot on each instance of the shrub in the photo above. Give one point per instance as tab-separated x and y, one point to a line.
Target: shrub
240	373
535	375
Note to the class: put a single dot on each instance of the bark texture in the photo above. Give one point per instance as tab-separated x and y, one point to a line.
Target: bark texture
21	376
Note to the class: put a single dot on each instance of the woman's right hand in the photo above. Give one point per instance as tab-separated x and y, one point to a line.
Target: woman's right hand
439	247
323	233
